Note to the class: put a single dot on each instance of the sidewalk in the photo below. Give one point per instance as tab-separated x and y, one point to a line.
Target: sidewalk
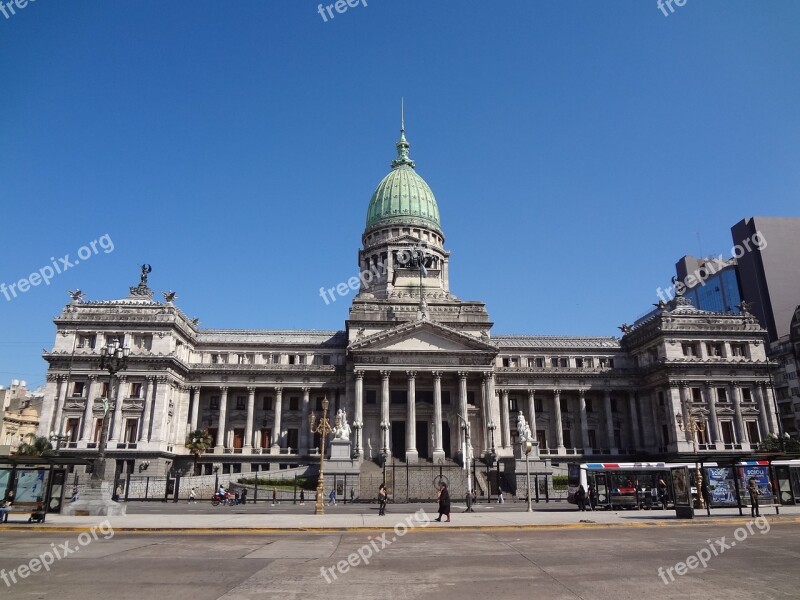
230	522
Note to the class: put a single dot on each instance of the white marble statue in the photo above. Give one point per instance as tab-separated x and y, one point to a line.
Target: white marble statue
523	428
342	430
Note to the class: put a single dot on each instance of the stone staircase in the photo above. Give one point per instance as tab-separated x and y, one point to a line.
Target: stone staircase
411	483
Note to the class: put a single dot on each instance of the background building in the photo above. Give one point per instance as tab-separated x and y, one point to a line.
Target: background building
20	416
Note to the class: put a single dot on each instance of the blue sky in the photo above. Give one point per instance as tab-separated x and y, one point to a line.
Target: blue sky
577	149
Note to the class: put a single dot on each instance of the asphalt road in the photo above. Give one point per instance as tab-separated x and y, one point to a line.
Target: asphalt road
603	564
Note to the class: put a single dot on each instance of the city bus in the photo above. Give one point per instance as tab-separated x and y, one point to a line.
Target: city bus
620	485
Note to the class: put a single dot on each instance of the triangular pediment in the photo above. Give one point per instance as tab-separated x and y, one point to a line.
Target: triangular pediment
422	336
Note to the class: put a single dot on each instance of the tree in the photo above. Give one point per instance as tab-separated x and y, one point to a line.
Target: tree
198	441
787	445
35	446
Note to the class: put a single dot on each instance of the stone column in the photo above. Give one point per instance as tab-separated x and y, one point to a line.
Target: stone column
485	412
587	448
119	397
61	398
251	408
559	427
713	423
462	407
635	437
684	400
438	451
763	420
412	455
532	415
276	422
305	414
195	414
358	422
223	415
147	414
768	394
738	421
88	414
609	422
385	411
505	424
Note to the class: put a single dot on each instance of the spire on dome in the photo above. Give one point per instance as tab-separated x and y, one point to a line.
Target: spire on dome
402	145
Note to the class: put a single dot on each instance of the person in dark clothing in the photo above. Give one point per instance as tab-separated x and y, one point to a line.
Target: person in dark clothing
752	488
592	497
243	496
383	497
580	498
444	502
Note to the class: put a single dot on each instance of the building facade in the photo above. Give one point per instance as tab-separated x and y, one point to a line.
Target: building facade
20	415
417	370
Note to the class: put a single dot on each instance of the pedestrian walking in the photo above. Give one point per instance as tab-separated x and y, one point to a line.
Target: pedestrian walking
237	497
383	497
332	498
752	488
191	496
592	497
500	499
662	493
243	496
444	502
274	496
302	496
580	498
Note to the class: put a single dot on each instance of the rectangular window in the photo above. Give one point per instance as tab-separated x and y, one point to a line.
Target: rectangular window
696	395
539	363
240	402
563	363
213	403
267	403
471	397
689	350
294	403
398	396
292	359
714	349
589	363
77	389
302	359
567	434
614	407
554	362
722	395
513	405
746	395
326	360
589	407
752	432
104	390
371	396
538	405
136	390
86	341
579	363
739	349
143	342
506	362
541	435
425	396
592	439
445	396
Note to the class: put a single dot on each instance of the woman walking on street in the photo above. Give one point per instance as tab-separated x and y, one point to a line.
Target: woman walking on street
382	498
444	502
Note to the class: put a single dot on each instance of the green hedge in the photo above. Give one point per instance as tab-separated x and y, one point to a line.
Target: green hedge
560	482
302	482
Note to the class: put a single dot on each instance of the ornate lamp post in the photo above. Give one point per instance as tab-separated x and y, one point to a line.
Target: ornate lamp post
323	428
58	438
694	427
113	358
527	444
467	453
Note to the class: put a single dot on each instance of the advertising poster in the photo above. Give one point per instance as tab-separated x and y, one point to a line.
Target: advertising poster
30	485
680	485
721	486
761	475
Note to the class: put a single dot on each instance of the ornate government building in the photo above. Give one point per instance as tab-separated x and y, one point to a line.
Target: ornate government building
412	364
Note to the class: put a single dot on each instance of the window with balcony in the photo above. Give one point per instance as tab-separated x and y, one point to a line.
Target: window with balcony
78	388
135	390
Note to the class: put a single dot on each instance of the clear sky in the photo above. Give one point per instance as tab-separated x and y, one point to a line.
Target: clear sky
577	150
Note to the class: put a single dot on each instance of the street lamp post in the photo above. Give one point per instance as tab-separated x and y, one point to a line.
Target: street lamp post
113	358
467	453
493	457
58	438
693	426
323	428
526	444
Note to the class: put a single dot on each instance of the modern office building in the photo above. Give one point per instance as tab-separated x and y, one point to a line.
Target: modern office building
412	366
769	269
712	283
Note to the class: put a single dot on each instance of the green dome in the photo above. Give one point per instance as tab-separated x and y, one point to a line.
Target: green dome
403	197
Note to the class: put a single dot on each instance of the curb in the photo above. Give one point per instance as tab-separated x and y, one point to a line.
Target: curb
364	528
